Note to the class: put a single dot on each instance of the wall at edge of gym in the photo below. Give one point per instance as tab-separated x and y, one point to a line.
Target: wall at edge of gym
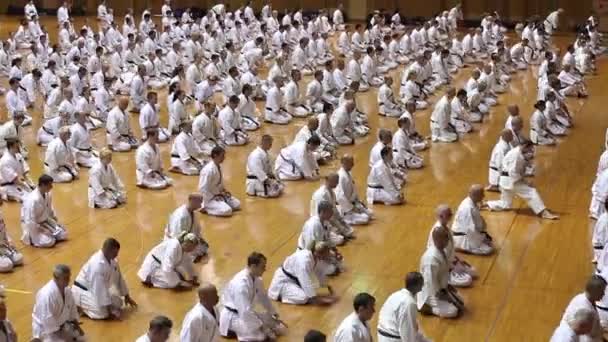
515	10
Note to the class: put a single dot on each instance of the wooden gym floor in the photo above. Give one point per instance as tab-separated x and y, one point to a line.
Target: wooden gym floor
521	291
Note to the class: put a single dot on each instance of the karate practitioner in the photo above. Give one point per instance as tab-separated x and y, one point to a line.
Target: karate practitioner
386	100
576	326
403	153
261	180
201	322
14	170
149	169
239	318
441	128
186	156
397	319
206	129
59	161
512	182
119	136
351	208
168	265
594	292
80	143
183	219
498	153
469	227
438	297
339	228
158	331
355	327
230	121
382	186
9	255
55	316
105	190
99	290
274	112
297	161
297	280
217	201
149	119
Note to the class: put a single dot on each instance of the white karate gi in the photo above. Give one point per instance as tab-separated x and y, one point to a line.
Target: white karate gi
39	222
498	153
80	143
386	102
441	130
9	255
293	105
182	220
398	318
99	285
580	301
206	132
105	187
382	187
435	269
599	195
239	314
564	333
59	162
468	229
274	111
461	273
149	170
342	126
166	265
351	208
200	325
411	91
51	311
600	236
13	167
216	201
149	118
137	92
339	228
186	157
297	280
351	329
296	162
9	130
260	178
539	133
177	115
230	121
404	154
512	182
459	118
249	113
119	136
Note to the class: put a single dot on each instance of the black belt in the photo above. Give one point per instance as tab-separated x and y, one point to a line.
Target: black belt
90	149
270	109
459	233
251	177
603	308
175	155
231	309
494	168
389	335
375	186
7	183
156	259
504	174
79	285
594	247
47	130
291	276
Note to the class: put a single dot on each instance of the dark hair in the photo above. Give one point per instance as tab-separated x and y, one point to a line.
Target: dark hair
363	300
45	180
413	280
255	258
314	140
315	336
159	323
111	243
216	151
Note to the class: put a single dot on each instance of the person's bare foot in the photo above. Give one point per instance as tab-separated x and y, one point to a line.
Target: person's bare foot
546	214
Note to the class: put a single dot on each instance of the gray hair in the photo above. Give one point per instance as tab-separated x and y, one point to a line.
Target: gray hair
61	270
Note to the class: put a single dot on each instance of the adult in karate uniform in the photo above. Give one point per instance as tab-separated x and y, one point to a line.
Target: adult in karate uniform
551	23
206	129
352	209
397	318
120	137
498	153
403	153
469	227
217	201
576	327
15	182
149	169
441	129
261	180
137	89
159	329
80	143
99	290
337	225
297	161
59	161
186	156
39	222
438	296
105	190
382	186
201	322
12	130
230	121
594	291
291	93
512	182
342	123
274	111
183	219
354	328
386	100
9	255
297	280
149	118
239	318
168	265
55	317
